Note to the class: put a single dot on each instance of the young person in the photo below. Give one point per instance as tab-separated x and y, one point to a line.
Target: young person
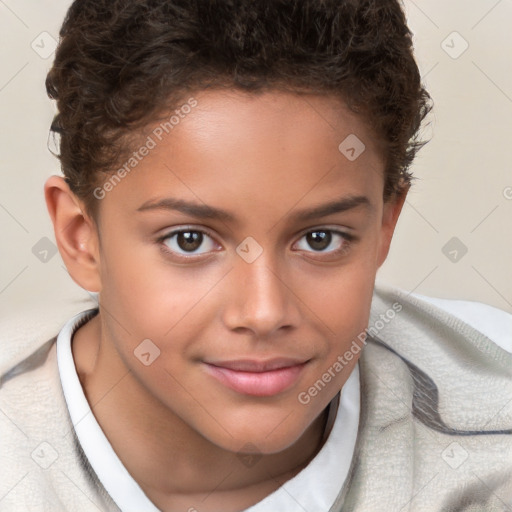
233	175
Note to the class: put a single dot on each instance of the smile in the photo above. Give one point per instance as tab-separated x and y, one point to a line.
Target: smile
257	378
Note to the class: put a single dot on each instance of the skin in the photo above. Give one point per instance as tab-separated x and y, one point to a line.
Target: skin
262	158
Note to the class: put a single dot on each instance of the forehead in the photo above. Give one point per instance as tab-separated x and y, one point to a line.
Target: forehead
255	152
276	120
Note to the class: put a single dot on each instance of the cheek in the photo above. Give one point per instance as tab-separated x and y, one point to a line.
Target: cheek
342	298
145	294
343	303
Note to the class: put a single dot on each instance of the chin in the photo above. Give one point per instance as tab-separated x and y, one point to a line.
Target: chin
263	438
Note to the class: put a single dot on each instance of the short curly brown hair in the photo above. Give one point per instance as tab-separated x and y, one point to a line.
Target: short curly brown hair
122	63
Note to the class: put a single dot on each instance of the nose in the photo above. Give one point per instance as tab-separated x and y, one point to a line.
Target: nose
260	299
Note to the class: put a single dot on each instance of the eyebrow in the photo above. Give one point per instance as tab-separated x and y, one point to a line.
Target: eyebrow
204	211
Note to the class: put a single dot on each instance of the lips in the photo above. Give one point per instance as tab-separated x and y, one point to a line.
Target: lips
246	365
257	378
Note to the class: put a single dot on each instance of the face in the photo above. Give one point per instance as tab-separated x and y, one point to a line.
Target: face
219	247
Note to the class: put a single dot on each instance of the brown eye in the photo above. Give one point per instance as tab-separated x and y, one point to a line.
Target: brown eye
188	242
319	240
325	241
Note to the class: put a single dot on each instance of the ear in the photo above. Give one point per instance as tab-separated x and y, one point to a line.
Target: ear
76	234
390	214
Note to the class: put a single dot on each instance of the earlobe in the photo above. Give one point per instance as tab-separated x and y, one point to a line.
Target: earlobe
390	215
75	233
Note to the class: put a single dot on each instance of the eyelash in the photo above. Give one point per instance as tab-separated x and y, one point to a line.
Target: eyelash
349	239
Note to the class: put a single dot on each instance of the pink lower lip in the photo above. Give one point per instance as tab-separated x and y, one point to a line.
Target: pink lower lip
257	383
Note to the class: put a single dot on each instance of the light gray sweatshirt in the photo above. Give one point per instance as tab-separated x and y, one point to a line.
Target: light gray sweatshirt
435	430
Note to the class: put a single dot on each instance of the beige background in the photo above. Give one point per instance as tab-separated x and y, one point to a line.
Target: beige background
464	190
